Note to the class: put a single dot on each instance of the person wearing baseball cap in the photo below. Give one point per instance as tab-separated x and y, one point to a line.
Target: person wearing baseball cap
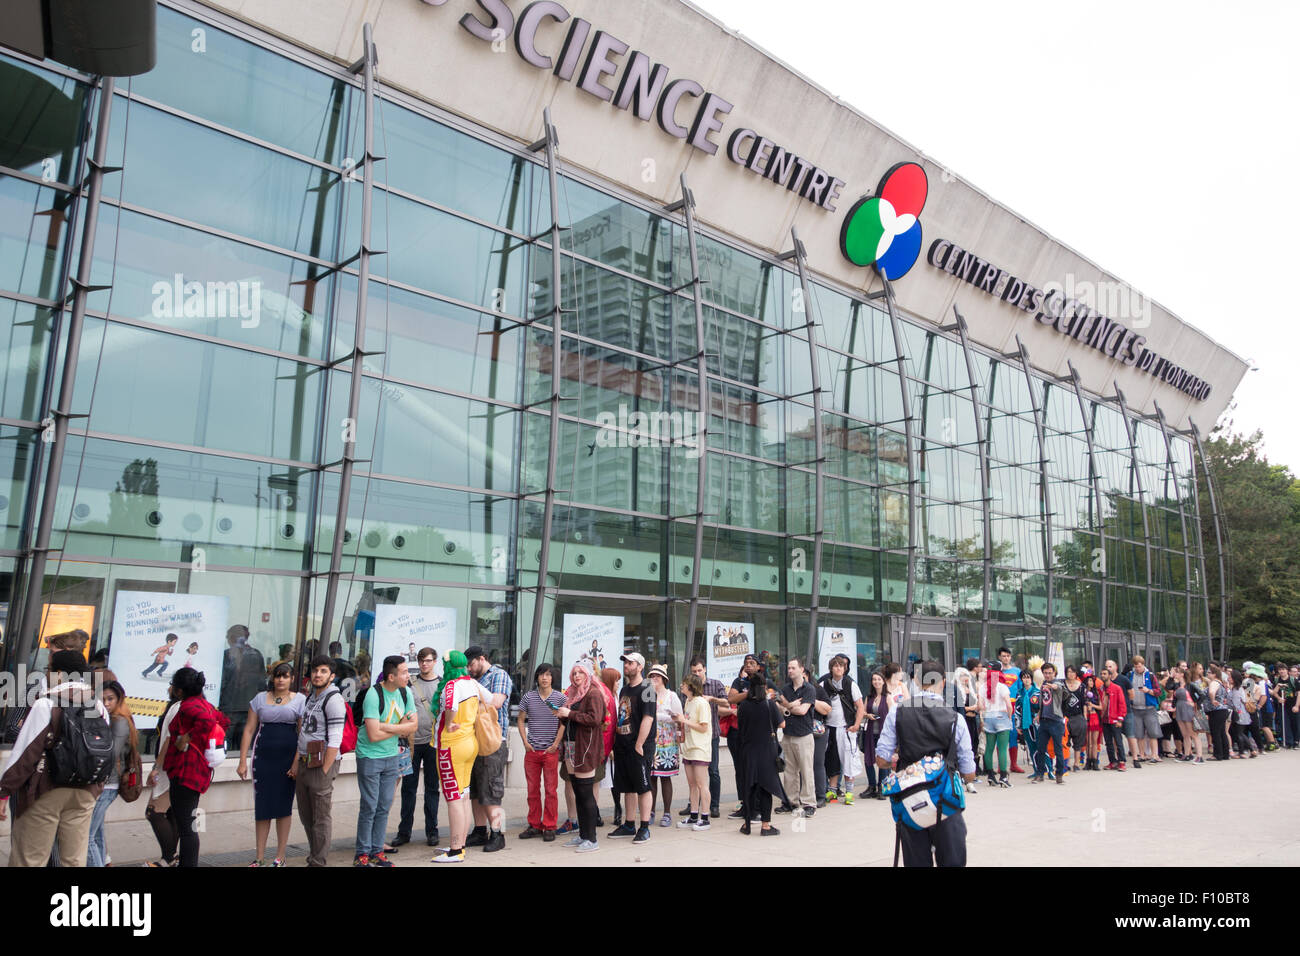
634	749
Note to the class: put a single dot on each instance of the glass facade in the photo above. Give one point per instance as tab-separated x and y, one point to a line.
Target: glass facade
209	460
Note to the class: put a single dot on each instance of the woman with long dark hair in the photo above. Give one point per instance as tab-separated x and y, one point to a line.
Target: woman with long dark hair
125	743
1092	713
876	709
196	724
758	720
272	727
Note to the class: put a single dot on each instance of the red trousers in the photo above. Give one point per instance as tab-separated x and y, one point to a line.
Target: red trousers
542	770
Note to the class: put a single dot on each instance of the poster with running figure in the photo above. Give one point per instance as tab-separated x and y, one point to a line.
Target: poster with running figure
727	643
155	635
837	640
592	637
403	629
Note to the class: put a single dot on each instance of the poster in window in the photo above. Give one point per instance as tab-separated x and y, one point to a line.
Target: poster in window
837	640
727	644
402	629
155	635
592	637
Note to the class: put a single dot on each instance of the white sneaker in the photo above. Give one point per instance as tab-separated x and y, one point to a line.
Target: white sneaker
576	841
587	846
688	823
449	857
666	821
701	825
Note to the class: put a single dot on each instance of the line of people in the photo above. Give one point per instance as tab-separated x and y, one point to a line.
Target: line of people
794	748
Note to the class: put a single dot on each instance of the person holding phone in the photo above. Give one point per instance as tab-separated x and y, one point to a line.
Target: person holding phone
539	729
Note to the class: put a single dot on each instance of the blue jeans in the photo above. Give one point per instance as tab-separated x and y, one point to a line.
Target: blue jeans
377	781
1055	731
97	852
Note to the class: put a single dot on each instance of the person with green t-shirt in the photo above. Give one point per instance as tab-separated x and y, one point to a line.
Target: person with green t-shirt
388	711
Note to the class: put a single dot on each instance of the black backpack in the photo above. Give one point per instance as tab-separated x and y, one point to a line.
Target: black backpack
358	705
82	751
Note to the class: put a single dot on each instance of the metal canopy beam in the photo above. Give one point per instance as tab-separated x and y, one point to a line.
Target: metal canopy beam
550	141
30	622
986	494
1220	539
800	256
1088	416
1049	552
687	206
367	67
1130	427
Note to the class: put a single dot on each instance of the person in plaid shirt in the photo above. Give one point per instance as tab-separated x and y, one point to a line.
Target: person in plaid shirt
186	764
487	784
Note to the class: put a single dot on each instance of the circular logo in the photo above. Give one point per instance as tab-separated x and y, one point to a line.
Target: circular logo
884	230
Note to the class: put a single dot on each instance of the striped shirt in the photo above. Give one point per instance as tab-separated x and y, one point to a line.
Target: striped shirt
543	725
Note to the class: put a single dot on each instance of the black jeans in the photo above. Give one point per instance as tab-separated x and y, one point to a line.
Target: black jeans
164	829
185	805
584	793
737	764
1219	733
1114	737
422	756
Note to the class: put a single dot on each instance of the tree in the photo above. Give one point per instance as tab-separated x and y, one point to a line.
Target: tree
1259	503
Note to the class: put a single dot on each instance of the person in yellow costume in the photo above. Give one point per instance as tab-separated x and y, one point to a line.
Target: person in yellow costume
455	709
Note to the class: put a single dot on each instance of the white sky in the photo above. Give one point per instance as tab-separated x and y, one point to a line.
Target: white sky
1158	139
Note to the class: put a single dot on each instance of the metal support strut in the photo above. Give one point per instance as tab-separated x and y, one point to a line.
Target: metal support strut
1049	553
908	428
1220	537
1087	415
81	288
981	440
687	205
1200	546
800	256
549	142
366	65
1182	522
1130	427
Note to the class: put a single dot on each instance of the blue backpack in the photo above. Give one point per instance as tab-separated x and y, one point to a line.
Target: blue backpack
921	795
